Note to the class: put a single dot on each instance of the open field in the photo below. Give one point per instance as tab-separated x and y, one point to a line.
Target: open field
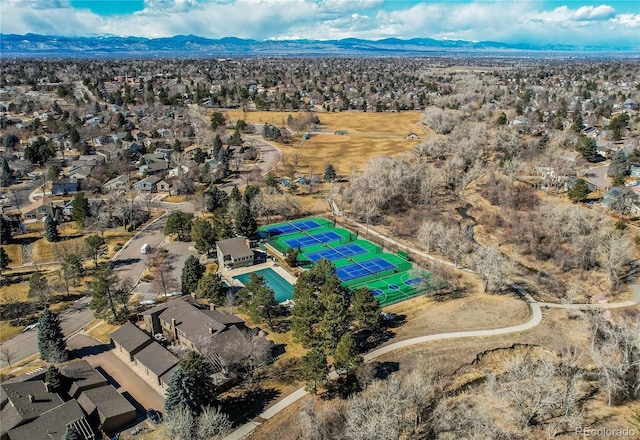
481	311
369	135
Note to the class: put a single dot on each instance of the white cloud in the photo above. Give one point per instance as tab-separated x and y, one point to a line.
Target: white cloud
602	12
518	21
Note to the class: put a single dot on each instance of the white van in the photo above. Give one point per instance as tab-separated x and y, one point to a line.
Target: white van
145	249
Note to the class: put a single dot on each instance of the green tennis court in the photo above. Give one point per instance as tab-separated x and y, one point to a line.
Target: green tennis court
358	262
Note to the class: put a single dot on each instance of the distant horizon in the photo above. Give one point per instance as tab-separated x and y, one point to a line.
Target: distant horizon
583	23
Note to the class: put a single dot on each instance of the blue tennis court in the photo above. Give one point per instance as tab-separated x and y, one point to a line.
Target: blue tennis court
364	268
331	254
413	281
310	240
290	228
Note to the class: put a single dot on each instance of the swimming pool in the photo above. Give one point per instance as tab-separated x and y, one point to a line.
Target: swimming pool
281	287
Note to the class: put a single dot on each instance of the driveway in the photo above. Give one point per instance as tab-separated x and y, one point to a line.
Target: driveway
117	372
598	176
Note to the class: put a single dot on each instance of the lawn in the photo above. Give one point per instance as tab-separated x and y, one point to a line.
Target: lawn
14	251
369	135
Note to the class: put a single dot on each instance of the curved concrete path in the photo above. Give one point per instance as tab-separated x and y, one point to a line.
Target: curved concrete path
536	318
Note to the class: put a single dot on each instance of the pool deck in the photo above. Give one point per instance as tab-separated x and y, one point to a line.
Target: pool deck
228	274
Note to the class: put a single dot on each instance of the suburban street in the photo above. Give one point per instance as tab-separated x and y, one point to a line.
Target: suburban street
25	344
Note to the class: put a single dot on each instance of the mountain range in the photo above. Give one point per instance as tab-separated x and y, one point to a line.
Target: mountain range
191	46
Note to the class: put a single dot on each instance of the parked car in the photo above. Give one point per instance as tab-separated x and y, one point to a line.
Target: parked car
154	415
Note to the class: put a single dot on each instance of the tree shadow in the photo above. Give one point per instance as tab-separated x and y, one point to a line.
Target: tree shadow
90	350
124	262
342	387
244	407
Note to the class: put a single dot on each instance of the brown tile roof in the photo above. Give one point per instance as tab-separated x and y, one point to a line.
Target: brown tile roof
130	337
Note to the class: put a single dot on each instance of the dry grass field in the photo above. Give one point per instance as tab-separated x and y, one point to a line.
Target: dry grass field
369	135
14	251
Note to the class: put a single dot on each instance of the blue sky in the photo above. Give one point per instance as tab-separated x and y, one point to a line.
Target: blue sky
576	22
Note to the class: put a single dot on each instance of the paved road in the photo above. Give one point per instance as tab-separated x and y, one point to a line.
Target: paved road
25	344
598	176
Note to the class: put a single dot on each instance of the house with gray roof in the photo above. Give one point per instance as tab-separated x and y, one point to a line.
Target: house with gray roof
234	252
53	424
82	377
185	321
23	402
148	184
129	340
107	408
156	361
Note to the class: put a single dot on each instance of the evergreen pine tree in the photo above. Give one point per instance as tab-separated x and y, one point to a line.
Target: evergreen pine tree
346	356
246	224
51	229
314	368
262	304
619	164
216	199
579	191
5	172
336	318
235	194
211	287
365	310
80	209
203	235
50	338
54	379
192	271
308	309
5	230
329	173
191	386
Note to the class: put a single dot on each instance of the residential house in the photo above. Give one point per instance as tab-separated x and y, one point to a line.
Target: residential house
128	340
180	169
120	182
183	131
154	167
79	173
166	186
148	184
82	377
184	321
30	411
234	252
66	186
164	132
155	361
107	408
88	160
37	210
634	170
412	136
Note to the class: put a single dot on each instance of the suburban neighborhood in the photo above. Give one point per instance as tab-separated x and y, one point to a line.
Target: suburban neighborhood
293	247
